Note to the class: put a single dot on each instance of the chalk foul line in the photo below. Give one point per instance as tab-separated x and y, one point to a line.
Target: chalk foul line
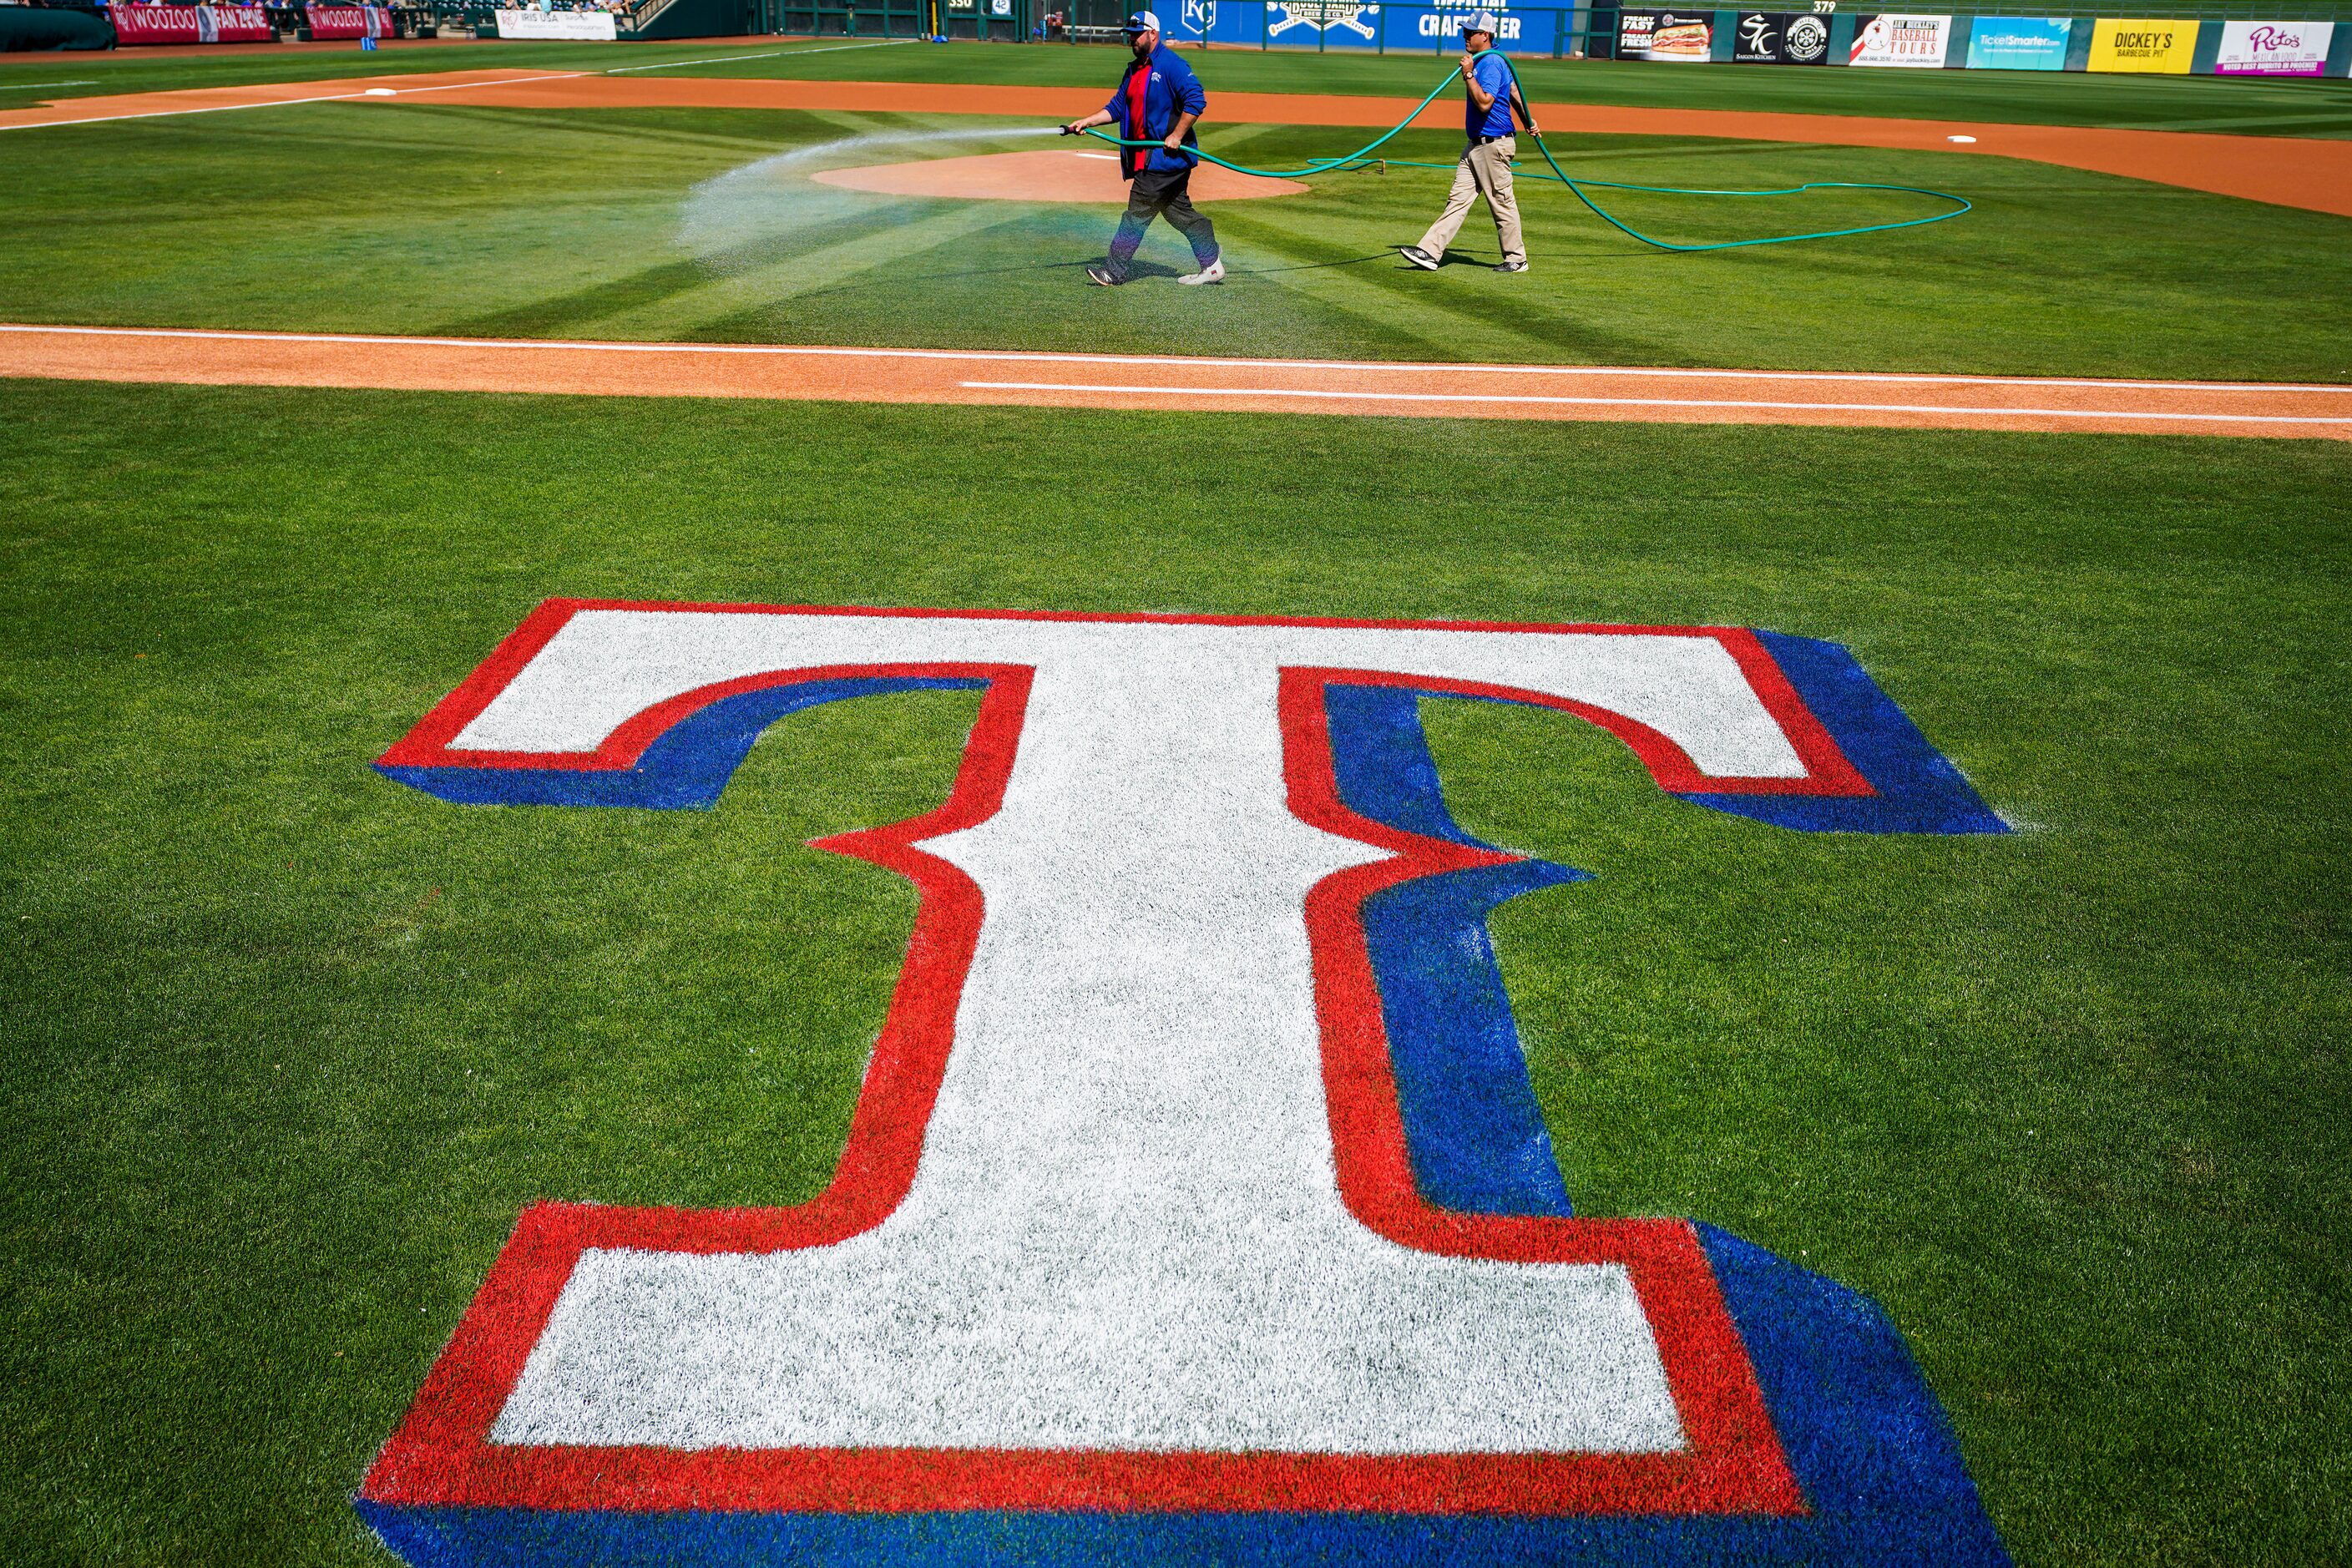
1762	404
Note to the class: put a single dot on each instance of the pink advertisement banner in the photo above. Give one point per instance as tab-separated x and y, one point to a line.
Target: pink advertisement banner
190	24
348	21
2274	48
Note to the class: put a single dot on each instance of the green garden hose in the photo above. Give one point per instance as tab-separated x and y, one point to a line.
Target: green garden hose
1363	157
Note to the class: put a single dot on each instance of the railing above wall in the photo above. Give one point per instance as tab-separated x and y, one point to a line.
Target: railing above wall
2222	11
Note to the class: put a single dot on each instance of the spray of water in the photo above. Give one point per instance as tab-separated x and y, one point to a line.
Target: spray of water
758	210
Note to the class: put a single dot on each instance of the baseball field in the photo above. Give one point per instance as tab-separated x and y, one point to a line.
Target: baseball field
413	797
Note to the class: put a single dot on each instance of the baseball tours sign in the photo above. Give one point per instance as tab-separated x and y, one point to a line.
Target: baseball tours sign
1196	1204
1917	42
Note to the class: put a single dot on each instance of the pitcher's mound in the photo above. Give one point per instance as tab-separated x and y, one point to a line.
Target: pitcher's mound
1060	175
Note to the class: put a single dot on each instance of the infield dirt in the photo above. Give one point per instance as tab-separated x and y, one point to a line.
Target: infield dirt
1149	382
2306	172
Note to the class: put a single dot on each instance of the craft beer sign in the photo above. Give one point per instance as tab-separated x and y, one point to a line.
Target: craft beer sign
1196	1204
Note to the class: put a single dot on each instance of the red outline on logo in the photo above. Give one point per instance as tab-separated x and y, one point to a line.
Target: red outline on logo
1827	770
441	1455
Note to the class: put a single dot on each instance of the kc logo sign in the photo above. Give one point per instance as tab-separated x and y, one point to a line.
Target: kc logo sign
1196	1204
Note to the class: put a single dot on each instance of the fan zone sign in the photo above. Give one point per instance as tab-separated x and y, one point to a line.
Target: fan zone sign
1197	1205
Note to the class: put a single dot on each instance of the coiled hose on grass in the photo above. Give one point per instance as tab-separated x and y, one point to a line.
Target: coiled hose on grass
1363	157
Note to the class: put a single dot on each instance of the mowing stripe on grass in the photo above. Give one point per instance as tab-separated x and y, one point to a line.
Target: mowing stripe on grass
762	54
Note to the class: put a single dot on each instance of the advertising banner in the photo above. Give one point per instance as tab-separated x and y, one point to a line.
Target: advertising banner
2274	48
1782	39
191	24
1411	26
1683	35
1338	24
1917	41
589	24
2143	44
1433	28
2020	42
349	21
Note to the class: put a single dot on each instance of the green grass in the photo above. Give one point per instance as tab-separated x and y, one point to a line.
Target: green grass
506	221
2316	107
284	1048
288	1046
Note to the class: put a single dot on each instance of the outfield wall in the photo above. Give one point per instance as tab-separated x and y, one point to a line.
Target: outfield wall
130	25
1865	39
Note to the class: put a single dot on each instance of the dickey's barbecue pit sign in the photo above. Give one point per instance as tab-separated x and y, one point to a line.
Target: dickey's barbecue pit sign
2144	45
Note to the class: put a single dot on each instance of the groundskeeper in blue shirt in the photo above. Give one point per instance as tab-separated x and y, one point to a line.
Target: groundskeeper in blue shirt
1494	77
1158	99
1488	147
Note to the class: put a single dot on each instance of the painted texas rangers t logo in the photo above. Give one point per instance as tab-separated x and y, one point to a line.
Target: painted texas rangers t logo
1196	1203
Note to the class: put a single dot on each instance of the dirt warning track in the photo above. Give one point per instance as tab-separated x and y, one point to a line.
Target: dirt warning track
2305	173
1176	384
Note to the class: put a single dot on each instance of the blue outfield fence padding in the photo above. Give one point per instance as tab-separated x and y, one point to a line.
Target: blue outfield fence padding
2020	38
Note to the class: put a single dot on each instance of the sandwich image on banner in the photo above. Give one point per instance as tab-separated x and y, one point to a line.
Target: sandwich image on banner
1684	36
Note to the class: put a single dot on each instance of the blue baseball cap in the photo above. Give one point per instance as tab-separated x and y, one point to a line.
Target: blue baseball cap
1482	22
1141	22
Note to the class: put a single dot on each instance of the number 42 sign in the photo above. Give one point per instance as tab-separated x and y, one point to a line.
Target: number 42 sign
1196	1204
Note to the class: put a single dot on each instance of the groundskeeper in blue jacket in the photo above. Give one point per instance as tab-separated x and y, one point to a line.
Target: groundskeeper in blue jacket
1158	99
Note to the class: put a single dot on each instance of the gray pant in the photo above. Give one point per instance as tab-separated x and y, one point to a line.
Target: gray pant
1162	193
1484	171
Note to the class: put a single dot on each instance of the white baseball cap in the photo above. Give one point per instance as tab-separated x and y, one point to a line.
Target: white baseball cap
1482	22
1142	22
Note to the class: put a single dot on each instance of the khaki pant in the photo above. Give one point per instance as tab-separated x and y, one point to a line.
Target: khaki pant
1484	171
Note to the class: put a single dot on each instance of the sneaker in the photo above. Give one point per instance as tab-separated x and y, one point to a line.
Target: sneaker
1512	267
1419	258
1104	276
1215	272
